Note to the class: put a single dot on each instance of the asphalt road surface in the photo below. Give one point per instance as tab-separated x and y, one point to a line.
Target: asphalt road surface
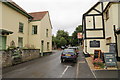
45	67
51	67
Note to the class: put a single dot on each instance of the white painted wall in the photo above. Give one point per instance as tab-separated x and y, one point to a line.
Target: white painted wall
35	39
46	24
102	47
98	22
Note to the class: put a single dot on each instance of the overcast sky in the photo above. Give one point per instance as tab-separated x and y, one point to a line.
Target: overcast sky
64	14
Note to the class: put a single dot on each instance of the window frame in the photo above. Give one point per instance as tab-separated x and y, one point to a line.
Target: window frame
48	46
20	44
34	29
21	27
47	32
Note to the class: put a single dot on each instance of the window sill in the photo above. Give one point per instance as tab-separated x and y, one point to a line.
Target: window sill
34	34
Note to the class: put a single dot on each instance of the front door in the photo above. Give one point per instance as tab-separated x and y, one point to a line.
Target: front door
42	47
2	42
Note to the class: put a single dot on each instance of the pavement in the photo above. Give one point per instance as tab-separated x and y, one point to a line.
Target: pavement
118	64
109	73
84	69
90	59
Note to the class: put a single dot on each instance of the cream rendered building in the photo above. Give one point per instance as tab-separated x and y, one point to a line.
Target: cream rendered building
19	28
43	39
100	23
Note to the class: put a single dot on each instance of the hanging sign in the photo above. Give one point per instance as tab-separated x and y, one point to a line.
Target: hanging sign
79	35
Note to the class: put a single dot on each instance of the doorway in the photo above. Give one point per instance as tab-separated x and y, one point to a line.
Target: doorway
42	47
2	42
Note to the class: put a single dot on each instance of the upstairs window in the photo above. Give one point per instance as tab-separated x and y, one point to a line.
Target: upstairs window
34	29
21	26
46	32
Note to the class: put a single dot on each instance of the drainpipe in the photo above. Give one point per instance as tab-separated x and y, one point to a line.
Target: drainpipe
116	42
86	46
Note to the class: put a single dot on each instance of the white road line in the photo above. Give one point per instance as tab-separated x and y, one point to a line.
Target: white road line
64	71
77	70
93	74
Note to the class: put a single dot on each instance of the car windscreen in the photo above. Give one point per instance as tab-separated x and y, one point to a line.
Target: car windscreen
69	52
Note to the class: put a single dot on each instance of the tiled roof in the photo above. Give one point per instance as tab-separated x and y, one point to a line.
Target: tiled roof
38	15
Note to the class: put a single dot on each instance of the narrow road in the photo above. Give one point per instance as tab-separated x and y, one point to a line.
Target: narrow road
45	67
51	67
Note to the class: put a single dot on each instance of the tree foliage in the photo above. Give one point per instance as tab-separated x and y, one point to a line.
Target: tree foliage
62	38
74	35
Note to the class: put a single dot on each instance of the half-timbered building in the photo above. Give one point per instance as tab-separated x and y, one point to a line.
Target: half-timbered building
99	25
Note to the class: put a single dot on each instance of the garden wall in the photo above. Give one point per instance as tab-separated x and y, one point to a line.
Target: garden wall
27	54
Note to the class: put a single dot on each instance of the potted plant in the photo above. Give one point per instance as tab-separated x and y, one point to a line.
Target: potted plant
98	63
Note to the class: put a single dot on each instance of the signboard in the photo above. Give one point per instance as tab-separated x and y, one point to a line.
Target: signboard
94	43
79	35
110	60
97	54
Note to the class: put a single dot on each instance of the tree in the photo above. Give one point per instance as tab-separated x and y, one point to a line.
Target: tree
62	33
61	39
74	35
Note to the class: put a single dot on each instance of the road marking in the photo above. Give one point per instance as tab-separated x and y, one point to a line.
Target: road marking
77	70
93	73
64	71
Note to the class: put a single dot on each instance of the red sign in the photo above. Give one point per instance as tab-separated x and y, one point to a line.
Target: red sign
79	35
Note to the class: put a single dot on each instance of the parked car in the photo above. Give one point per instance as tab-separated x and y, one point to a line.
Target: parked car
68	54
75	48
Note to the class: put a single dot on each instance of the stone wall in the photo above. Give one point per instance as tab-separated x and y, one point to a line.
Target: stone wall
30	54
27	54
6	58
